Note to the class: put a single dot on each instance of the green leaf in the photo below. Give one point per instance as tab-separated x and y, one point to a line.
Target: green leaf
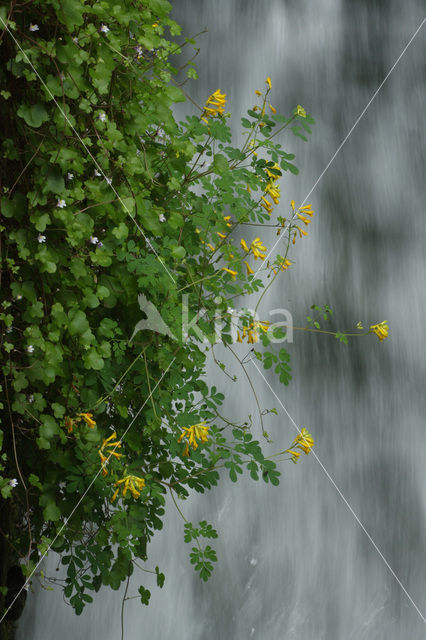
93	361
220	163
34	116
51	512
179	252
145	595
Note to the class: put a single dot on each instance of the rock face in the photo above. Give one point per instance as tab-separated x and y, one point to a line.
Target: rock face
15	582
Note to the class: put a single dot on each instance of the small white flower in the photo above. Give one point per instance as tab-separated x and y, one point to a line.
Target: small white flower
41	239
30	348
94	239
70	176
162	217
19	297
102	116
61	204
109	180
75	40
139	51
34	27
13	483
9	329
97	173
31	398
104	28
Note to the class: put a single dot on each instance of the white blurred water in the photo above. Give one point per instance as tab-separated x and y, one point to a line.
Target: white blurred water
293	562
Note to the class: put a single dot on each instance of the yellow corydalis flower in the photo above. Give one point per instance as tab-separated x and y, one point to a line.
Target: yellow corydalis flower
105	451
87	417
248	267
304	441
268	82
294	455
252	332
243	243
215	105
300	111
257	248
283	265
230	271
193	433
131	483
381	330
273	110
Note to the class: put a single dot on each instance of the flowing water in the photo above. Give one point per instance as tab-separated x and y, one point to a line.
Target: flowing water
293	560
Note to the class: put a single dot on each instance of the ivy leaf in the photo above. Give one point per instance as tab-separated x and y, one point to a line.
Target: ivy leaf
34	116
51	512
145	594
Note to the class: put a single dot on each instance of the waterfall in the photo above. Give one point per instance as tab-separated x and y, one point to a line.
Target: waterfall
293	561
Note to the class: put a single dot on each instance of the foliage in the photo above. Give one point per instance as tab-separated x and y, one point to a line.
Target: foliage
106	197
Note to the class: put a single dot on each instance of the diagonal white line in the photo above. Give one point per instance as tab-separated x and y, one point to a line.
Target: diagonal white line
346	503
86	148
83	496
349	133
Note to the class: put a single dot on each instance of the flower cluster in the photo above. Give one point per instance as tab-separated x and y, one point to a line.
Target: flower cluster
191	434
132	483
256	248
86	417
272	189
215	106
381	330
281	264
301	214
108	449
303	441
252	331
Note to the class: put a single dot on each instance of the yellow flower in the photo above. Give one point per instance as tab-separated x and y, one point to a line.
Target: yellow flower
193	433
132	483
295	455
258	93
304	441
256	248
381	330
300	111
274	192
87	417
243	243
266	205
215	105
69	422
221	235
284	264
248	267
233	273
307	210
105	451
252	332
303	218
272	109
268	82
261	324
227	219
